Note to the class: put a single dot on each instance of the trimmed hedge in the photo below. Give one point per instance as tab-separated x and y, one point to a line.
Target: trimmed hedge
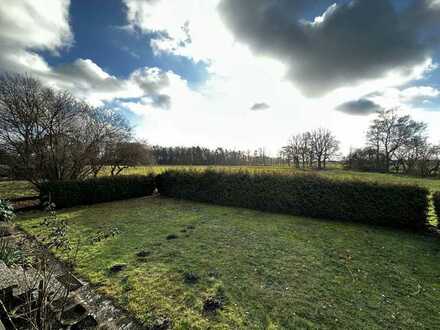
97	190
303	195
437	206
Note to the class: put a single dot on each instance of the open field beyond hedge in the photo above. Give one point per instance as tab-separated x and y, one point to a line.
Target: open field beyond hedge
271	271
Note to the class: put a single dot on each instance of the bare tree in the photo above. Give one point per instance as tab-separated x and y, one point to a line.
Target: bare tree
390	132
324	145
292	150
428	163
122	155
307	148
51	135
299	151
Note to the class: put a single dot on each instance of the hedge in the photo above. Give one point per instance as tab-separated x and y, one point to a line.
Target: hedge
302	195
437	206
97	190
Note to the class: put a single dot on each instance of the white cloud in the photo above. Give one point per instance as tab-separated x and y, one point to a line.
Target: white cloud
88	81
190	28
218	112
434	4
404	98
419	92
33	24
30	25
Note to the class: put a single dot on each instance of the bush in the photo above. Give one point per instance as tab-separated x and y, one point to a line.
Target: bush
97	190
437	206
302	195
6	211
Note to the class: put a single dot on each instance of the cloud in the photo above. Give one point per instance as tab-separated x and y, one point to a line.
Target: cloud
417	93
86	80
28	26
407	98
349	43
362	107
239	73
150	79
260	106
189	28
162	101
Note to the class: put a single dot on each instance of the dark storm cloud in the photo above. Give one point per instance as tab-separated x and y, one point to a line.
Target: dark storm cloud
260	106
362	107
354	41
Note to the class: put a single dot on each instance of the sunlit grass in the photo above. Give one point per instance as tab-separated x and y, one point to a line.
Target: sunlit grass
276	271
14	189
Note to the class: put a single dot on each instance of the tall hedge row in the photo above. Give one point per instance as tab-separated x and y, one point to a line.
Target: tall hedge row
302	195
437	206
97	190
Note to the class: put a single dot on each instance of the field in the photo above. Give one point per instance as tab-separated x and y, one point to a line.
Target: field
270	271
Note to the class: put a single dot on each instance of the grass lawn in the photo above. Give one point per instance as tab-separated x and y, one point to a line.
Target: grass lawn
14	189
272	271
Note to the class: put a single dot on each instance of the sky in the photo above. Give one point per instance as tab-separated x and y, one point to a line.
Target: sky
241	74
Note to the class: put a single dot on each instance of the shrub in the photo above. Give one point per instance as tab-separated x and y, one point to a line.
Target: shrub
302	195
6	211
437	206
97	190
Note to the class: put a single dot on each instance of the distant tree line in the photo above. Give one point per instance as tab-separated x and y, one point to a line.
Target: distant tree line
49	135
398	144
312	149
204	156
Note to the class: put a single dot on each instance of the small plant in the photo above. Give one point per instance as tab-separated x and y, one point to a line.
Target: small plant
6	211
42	271
4	230
57	237
104	234
9	254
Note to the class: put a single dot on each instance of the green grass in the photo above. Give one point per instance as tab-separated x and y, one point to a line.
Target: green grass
14	189
275	271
